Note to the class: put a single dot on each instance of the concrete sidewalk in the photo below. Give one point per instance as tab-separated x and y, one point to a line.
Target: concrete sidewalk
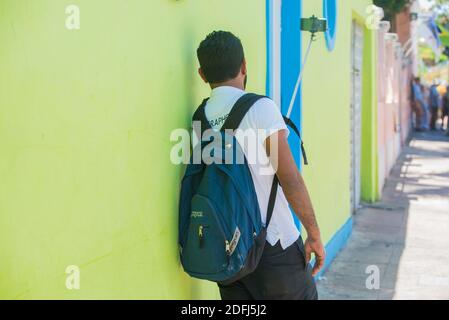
406	235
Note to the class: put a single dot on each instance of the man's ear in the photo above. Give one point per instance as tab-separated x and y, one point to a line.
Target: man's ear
243	69
200	72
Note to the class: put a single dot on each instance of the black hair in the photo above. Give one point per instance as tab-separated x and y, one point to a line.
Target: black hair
221	56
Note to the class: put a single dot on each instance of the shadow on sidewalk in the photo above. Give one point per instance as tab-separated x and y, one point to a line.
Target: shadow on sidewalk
404	236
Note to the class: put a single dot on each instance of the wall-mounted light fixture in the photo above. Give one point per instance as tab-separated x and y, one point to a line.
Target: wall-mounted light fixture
384	26
391	37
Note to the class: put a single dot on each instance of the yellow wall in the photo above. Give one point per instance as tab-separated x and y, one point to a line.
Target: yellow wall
326	116
85	120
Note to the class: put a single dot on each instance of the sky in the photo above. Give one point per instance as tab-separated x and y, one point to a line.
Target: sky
426	4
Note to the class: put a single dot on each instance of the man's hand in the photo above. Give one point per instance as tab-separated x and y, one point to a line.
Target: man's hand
315	246
295	191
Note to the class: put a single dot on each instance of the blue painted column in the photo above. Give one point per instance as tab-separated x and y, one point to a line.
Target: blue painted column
290	68
269	24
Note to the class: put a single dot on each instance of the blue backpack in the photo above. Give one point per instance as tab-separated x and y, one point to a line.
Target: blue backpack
221	234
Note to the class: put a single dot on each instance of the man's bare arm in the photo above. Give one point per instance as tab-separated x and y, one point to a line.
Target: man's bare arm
297	194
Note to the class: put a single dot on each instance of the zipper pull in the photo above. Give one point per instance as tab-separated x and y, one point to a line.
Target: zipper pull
200	236
228	248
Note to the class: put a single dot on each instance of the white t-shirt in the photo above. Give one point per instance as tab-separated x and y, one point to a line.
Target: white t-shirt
266	118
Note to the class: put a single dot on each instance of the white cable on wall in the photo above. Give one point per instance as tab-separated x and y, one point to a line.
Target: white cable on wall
301	73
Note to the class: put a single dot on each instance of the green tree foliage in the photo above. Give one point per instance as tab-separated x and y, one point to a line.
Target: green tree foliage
441	8
391	7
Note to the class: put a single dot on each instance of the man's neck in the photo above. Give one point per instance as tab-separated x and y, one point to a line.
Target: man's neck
230	83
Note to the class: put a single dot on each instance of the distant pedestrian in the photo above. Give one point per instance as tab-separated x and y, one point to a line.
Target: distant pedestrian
417	102
445	113
434	103
425	119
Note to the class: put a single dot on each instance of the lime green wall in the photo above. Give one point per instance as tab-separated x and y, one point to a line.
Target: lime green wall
369	166
326	116
85	120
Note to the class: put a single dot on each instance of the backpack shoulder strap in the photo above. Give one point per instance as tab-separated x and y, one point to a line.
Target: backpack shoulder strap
239	111
200	116
272	199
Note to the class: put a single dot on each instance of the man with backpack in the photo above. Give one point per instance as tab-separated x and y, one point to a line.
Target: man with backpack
236	227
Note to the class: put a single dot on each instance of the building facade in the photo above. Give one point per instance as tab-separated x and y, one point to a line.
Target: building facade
339	118
395	73
86	117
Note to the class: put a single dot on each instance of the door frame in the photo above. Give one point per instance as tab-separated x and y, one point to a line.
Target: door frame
356	120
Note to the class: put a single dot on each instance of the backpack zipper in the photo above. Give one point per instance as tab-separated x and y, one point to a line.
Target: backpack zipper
227	244
200	236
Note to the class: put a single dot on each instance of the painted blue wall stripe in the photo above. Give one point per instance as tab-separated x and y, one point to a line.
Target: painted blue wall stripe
269	24
336	244
291	57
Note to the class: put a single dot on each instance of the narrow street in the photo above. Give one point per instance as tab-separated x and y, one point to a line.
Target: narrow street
405	235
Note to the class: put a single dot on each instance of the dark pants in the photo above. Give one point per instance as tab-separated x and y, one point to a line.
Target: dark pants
280	275
419	112
434	118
